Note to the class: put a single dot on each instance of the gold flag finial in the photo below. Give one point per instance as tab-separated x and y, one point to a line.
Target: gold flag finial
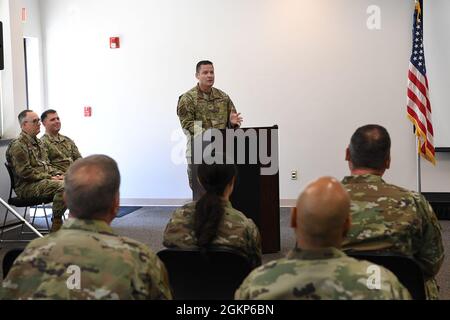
418	9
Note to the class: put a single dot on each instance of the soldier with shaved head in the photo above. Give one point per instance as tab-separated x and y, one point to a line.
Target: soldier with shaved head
317	268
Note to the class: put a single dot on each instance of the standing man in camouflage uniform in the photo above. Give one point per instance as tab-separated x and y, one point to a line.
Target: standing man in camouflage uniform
86	259
204	107
61	150
317	268
34	176
387	217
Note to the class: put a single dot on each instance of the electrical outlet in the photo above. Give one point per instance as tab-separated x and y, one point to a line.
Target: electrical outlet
294	175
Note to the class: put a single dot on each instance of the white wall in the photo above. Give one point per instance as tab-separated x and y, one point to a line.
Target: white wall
32	25
32	29
312	67
437	49
13	75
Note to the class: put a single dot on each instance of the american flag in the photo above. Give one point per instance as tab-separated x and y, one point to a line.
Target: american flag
418	102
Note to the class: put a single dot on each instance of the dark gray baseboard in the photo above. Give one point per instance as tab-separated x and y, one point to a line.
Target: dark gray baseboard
440	201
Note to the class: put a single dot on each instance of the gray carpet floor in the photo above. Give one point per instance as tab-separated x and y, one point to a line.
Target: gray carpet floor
147	225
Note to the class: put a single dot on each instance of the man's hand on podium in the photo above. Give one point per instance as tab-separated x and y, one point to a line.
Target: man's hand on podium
235	119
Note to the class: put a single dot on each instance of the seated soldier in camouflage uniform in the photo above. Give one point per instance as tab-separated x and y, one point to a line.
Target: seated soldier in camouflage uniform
61	150
386	217
204	107
86	259
34	176
317	268
212	220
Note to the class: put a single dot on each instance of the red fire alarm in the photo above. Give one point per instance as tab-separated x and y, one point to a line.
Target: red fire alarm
23	16
87	111
114	42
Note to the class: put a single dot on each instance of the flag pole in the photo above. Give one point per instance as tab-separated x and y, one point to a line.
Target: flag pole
418	109
419	180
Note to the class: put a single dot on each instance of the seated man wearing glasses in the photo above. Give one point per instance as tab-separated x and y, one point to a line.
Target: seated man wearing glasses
33	174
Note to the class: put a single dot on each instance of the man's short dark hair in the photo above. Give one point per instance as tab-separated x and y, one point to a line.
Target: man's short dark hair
370	147
22	115
46	113
202	63
91	185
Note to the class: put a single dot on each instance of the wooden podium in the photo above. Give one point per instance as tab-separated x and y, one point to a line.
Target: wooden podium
256	193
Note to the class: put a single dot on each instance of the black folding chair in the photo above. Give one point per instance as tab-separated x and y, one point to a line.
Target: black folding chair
37	202
405	269
8	260
214	274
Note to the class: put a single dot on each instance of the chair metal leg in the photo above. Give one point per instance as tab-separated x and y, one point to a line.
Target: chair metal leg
4	224
24	221
46	218
3	231
42	230
34	215
24	218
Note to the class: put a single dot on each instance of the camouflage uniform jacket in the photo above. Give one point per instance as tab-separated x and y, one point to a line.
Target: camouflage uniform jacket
326	274
30	162
112	267
61	150
235	231
389	218
213	110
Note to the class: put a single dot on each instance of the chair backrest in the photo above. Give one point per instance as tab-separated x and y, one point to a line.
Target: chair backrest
212	275
11	178
405	268
8	260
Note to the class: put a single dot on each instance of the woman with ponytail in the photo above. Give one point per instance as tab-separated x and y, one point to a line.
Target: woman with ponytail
212	221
